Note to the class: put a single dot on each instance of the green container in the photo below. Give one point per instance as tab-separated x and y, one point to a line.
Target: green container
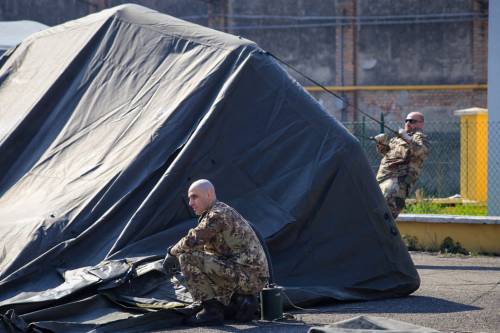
271	304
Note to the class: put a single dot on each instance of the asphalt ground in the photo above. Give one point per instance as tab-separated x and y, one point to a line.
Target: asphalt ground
457	294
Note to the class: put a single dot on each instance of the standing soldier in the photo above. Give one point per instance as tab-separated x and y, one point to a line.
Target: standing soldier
222	260
403	157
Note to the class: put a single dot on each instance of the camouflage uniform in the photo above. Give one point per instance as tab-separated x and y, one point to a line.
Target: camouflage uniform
222	255
400	168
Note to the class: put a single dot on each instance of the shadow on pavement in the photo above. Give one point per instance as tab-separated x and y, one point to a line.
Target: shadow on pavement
458	268
410	304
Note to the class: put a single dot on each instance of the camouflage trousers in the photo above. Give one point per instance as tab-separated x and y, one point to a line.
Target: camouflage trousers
395	193
209	276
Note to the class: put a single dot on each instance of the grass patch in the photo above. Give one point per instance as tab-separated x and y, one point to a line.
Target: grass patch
429	207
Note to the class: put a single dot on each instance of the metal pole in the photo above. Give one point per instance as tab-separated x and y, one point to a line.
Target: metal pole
494	109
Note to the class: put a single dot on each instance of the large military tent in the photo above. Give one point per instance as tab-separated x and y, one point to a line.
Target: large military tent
104	123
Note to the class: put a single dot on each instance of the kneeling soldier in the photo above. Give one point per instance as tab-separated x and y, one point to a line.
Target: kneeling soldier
222	260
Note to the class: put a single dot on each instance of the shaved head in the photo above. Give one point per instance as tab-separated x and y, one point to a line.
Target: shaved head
201	195
414	121
415	115
203	184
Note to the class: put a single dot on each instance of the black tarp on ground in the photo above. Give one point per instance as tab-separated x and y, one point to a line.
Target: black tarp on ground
104	123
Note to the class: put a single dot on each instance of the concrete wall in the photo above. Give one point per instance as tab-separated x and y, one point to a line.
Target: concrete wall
53	12
415	53
430	53
50	12
311	50
349	49
477	234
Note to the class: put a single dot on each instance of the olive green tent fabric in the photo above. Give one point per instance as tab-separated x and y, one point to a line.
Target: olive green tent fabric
104	123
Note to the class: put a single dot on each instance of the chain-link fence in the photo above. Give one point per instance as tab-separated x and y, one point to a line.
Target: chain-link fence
454	179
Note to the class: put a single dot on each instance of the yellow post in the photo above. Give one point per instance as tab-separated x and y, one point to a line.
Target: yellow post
473	153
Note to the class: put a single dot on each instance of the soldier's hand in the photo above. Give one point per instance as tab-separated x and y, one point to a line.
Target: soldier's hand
403	135
381	139
170	263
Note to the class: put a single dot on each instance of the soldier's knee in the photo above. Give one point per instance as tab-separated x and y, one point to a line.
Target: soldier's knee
196	259
389	187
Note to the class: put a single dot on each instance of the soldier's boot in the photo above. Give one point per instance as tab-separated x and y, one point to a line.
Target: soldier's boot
247	309
212	314
190	310
232	308
242	308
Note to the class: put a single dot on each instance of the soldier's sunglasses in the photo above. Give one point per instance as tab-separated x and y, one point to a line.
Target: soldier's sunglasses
412	121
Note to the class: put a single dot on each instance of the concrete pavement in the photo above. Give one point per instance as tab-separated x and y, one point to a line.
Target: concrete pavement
457	294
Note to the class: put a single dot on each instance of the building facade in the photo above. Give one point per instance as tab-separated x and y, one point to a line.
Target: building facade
383	58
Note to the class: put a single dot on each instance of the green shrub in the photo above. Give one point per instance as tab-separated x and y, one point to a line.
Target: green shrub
411	242
450	246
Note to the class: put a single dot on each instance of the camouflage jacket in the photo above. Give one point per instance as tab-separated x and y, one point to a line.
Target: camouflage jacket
402	159
221	230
